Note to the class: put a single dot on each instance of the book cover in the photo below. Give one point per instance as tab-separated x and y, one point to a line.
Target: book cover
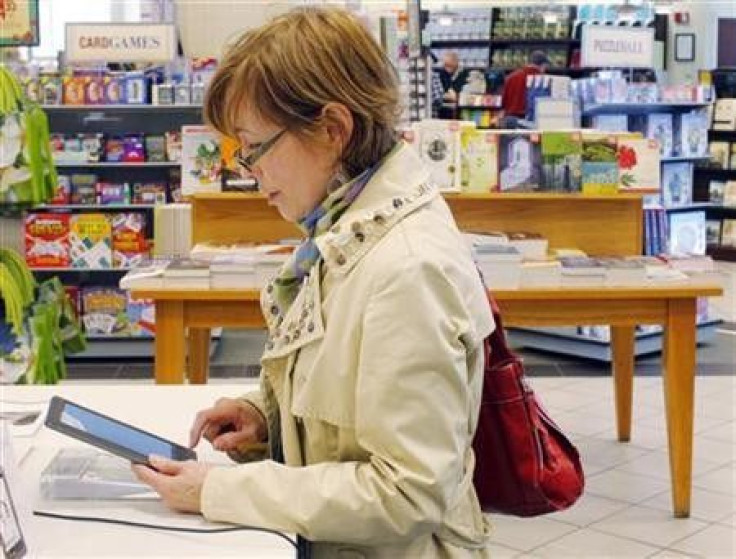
659	127
715	192
104	311
201	164
729	193
141	316
677	184
728	233
90	241
713	231
693	134
478	160
724	114
562	155
47	240
638	164
600	164
129	245
611	123
719	154
439	147
687	232
519	161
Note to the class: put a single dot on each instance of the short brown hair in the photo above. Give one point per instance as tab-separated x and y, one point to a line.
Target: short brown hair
287	70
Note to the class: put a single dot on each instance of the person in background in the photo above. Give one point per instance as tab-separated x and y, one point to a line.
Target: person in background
359	439
452	76
514	89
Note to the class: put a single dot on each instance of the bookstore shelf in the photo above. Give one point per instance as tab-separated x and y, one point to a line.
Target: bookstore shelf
560	341
678	158
533	42
459	42
690	207
122	108
111	207
638	109
127	164
720	252
80	270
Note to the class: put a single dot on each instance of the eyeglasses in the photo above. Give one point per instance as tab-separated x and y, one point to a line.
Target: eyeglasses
247	161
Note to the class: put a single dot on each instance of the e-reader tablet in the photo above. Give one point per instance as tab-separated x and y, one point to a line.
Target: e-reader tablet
110	434
12	543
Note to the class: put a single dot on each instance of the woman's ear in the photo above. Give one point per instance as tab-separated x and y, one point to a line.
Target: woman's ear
338	124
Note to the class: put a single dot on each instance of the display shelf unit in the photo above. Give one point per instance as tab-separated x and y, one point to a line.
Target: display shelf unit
603	225
567	342
636	109
122	108
115	164
704	174
114	120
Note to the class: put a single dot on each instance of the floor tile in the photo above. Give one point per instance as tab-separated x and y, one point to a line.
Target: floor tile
714	451
501	551
591	543
730	520
590	508
725	432
650	526
656	464
721	480
672	554
607	452
704	505
623	486
525	534
580	424
714	541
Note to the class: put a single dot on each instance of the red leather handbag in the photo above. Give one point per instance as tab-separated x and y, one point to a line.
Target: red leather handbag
525	466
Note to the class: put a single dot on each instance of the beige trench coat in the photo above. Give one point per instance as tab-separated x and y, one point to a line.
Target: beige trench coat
370	385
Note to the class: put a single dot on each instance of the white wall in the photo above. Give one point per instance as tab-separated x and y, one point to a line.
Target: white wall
703	19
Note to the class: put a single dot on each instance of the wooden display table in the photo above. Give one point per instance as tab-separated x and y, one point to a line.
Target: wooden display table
671	305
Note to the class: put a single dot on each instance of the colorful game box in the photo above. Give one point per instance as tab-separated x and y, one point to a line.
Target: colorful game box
90	239
129	245
104	311
47	240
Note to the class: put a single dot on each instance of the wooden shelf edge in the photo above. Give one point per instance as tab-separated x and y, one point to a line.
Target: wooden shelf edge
215	196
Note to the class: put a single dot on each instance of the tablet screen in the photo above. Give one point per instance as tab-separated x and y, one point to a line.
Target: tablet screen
114	432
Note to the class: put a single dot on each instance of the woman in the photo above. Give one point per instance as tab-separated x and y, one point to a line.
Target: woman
360	436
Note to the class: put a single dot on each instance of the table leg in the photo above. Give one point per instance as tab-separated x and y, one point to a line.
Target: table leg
199	355
170	342
622	345
679	387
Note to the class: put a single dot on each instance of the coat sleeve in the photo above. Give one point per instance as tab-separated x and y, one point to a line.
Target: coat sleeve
413	418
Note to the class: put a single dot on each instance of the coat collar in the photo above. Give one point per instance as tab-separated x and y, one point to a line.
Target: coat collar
399	187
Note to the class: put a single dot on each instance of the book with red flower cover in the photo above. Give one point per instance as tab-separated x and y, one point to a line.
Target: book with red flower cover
638	163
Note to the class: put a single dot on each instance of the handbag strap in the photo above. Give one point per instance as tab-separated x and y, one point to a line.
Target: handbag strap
497	348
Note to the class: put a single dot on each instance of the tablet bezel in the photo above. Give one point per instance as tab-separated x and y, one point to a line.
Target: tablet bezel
19	549
53	421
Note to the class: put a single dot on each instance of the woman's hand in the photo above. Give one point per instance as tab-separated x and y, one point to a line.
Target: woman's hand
178	483
230	425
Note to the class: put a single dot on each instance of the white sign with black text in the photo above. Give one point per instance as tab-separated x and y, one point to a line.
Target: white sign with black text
617	47
120	42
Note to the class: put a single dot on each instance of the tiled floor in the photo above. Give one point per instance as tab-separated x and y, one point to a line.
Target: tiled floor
626	508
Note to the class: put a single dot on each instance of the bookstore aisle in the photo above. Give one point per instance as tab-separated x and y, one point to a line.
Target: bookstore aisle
621	177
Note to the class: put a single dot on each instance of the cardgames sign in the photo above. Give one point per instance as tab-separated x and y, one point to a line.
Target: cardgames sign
617	47
120	42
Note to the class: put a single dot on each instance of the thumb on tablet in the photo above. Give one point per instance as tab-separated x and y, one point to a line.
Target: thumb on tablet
232	440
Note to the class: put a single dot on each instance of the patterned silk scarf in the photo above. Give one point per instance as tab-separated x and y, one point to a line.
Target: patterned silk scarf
286	286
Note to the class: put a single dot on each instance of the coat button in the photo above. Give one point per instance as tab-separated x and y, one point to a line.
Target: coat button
340	260
379	219
360	236
274	310
398	203
355	226
269	288
310	327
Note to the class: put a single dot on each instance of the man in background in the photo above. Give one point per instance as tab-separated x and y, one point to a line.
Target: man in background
452	76
514	88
